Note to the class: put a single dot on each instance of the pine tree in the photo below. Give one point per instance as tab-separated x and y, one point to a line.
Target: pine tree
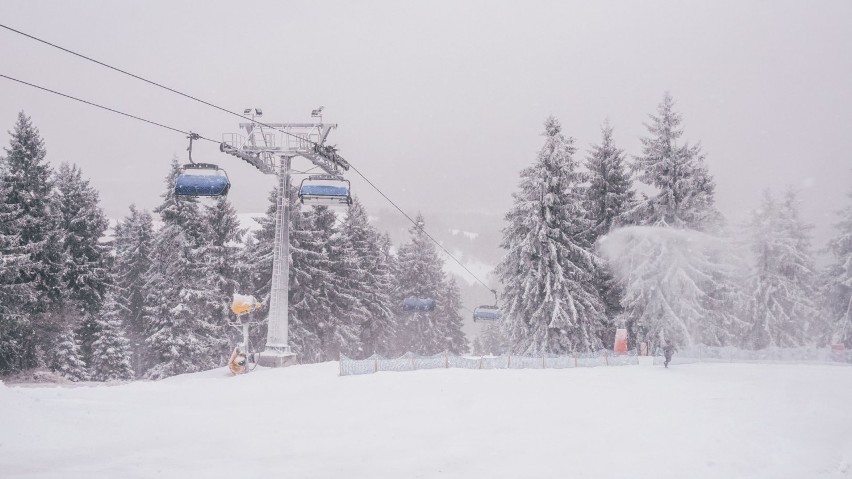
419	274
111	354
610	194
17	336
221	249
450	322
87	260
134	245
551	303
338	312
180	332
29	190
610	198
83	224
836	295
685	197
67	358
780	306
371	281
31	246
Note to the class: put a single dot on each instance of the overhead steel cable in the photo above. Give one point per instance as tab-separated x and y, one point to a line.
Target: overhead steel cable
106	108
253	120
151	82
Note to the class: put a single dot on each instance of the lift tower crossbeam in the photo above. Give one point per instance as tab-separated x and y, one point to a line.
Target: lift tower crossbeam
270	147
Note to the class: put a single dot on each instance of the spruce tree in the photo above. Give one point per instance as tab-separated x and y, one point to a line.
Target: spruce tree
66	357
419	274
180	331
685	196
83	224
29	191
111	355
134	245
610	198
836	294
17	335
371	280
450	335
551	302
609	194
780	305
87	260
31	245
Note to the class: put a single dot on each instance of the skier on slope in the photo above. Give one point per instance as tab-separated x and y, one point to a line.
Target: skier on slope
668	351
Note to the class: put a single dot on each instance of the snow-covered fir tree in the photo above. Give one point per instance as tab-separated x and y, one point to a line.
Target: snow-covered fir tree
418	273
450	320
66	357
111	355
17	337
551	304
179	330
339	311
609	194
134	245
32	249
221	249
836	295
610	197
83	223
685	188
87	260
781	305
372	281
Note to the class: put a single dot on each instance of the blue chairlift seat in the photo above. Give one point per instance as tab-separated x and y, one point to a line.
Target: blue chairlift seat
418	304
325	190
202	179
486	313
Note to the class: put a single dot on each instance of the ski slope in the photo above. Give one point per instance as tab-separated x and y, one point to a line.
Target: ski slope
690	421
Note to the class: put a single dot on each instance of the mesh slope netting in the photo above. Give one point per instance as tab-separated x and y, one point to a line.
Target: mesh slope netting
603	358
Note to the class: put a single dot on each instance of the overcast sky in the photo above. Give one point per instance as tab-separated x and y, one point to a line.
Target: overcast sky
441	104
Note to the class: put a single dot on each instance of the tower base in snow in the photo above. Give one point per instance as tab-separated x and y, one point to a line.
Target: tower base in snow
277	358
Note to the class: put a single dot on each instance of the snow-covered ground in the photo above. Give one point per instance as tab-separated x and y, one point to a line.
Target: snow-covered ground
690	421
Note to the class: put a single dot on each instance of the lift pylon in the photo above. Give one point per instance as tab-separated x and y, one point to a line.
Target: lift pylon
271	147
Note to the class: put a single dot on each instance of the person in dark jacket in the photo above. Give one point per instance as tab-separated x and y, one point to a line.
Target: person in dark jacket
668	351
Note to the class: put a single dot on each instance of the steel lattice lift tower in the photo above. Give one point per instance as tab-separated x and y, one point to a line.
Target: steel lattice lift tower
271	147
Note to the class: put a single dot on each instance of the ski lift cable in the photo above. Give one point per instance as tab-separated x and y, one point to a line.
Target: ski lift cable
253	120
159	85
106	108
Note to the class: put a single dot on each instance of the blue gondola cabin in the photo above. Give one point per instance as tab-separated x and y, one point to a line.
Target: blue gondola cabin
202	179
325	190
418	304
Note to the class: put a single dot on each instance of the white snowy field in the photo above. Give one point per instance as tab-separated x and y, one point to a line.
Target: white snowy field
690	421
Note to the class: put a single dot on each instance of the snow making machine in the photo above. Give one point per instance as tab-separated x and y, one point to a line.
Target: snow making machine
243	306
